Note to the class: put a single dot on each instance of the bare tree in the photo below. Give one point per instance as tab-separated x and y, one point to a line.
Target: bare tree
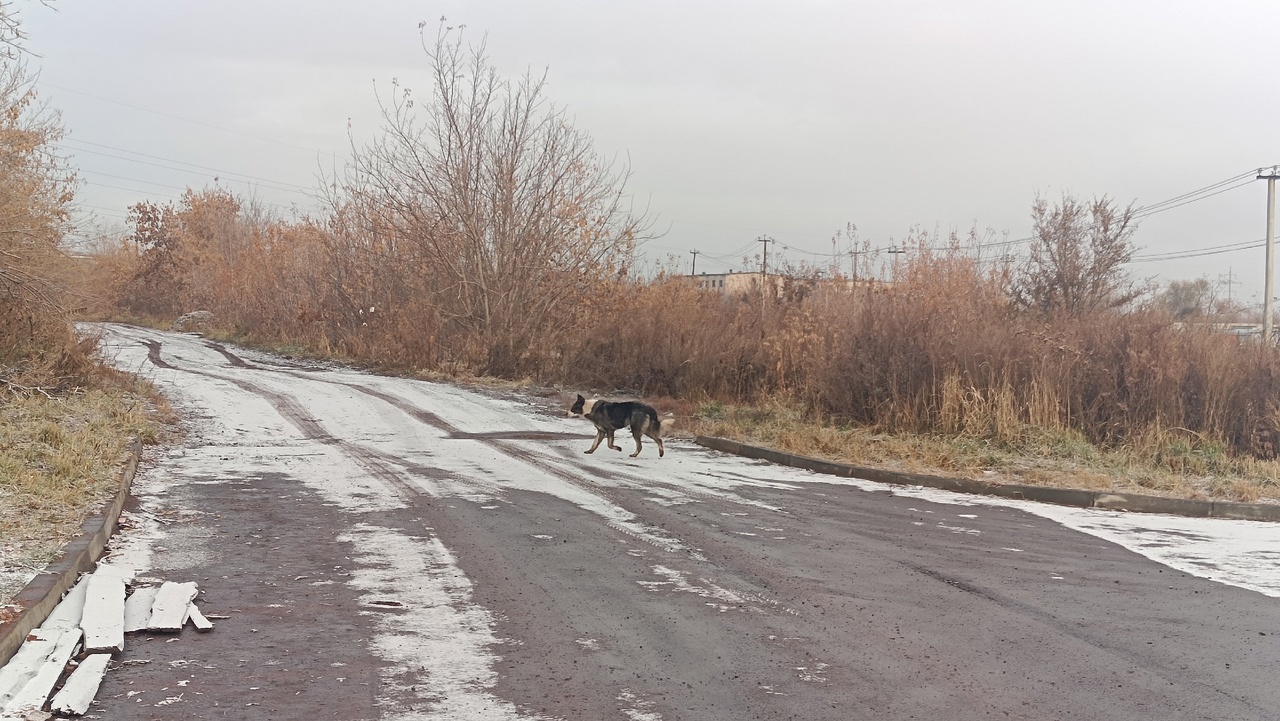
12	36
509	207
1188	298
11	33
1077	258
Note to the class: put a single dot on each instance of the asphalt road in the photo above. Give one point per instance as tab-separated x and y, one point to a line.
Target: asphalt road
393	549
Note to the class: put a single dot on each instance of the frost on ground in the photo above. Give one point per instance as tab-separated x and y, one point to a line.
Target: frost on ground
440	648
235	431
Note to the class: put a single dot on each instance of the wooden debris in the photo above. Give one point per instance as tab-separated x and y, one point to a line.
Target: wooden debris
24	664
172	604
198	620
78	692
103	619
69	610
32	695
125	574
96	611
137	608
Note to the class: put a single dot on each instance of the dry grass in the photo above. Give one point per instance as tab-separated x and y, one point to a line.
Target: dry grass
943	350
1167	466
60	462
940	371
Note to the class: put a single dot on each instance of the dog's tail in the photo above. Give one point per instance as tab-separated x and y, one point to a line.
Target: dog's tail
665	425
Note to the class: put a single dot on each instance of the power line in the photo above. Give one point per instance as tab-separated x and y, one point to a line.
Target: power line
170	160
1198	252
186	120
134	180
184	170
1175	202
1154	207
733	254
810	252
1208	191
108	210
148	193
735	227
1185	202
172	187
131	190
717	261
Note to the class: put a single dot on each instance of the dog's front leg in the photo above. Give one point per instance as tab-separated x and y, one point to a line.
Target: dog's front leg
612	444
594	446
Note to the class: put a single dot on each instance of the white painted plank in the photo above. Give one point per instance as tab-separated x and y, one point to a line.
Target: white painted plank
169	611
103	619
125	574
137	608
78	692
24	664
35	692
198	620
68	611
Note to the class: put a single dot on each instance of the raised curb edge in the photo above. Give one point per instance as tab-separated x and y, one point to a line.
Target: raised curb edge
1078	497
38	598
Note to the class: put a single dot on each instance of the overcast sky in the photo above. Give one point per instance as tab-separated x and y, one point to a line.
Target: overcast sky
738	119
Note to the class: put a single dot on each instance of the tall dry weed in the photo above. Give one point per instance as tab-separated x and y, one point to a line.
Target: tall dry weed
941	350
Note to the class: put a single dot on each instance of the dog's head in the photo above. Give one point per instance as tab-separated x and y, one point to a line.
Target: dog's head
581	407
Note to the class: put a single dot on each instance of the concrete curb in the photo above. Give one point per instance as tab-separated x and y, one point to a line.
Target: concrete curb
1077	497
38	598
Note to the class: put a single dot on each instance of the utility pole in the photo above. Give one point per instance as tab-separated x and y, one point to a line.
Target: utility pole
895	252
854	255
764	264
764	269
1269	285
694	269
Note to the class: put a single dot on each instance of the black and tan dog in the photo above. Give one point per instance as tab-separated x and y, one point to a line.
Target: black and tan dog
613	416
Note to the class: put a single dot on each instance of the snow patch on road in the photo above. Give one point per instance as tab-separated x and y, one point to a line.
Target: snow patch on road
1239	553
722	599
639	710
439	649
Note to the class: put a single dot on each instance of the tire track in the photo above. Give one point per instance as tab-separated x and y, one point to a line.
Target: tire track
376	461
299	418
153	354
232	358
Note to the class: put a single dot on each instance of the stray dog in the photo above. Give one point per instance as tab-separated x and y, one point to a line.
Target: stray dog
610	416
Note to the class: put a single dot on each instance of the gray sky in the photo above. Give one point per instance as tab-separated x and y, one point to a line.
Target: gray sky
738	119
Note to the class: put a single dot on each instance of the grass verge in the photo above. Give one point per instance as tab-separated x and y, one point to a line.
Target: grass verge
1169	463
60	459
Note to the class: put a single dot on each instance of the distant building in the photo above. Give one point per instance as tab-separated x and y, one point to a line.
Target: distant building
1250	331
730	282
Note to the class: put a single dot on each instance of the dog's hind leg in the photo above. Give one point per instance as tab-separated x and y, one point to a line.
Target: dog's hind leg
636	432
657	439
594	446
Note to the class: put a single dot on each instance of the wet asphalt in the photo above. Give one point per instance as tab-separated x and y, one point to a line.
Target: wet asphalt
774	601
